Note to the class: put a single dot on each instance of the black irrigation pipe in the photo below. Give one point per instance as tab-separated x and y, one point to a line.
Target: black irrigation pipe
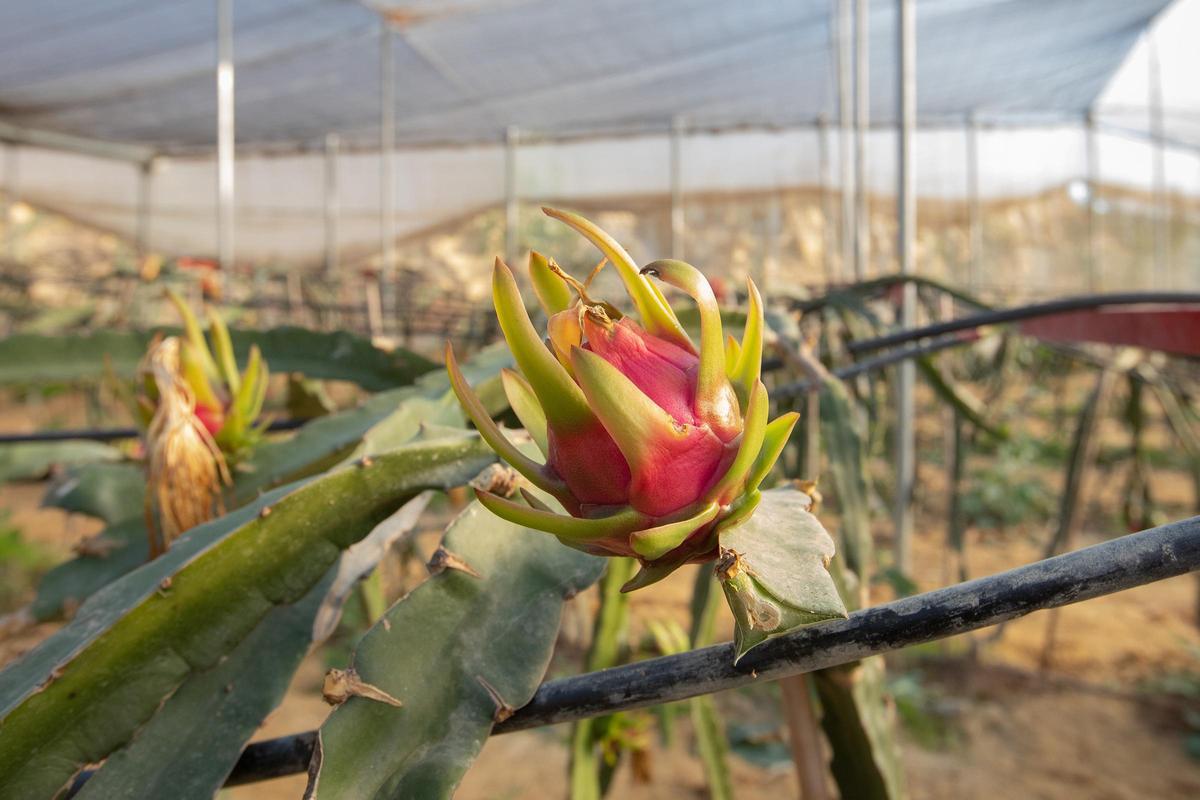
1015	313
1113	566
115	434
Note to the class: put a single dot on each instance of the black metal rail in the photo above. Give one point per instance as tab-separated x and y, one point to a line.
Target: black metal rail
1081	303
115	434
1114	566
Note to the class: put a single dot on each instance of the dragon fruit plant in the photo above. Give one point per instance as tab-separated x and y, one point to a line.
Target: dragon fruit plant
227	403
199	416
654	445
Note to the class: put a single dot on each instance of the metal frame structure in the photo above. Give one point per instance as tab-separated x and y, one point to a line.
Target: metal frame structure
845	93
225	136
387	176
906	217
1162	278
862	124
974	212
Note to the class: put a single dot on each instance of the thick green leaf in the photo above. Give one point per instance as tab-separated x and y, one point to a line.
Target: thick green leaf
438	650
189	747
27	358
111	492
83	692
114	492
34	460
339	355
332	355
779	580
317	446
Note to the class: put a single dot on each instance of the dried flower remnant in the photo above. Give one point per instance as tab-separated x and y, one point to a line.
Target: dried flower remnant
185	468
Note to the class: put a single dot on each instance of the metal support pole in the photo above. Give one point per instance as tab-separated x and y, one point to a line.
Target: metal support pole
387	178
974	215
1161	215
774	231
678	219
512	210
906	213
144	198
226	252
845	91
826	178
331	202
1092	154
862	121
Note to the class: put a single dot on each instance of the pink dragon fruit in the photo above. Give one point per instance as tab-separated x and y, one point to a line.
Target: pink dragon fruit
653	446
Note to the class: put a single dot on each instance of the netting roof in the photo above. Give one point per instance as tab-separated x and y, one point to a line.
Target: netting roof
141	71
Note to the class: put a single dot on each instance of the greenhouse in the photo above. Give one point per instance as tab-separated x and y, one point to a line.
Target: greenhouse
717	399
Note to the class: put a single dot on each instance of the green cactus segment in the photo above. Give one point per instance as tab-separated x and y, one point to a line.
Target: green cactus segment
773	570
710	732
858	720
845	440
775	438
534	472
657	316
108	492
753	430
188	748
83	692
748	368
592	766
34	460
552	292
960	399
569	529
525	405
716	402
114	492
459	652
339	355
560	398
652	543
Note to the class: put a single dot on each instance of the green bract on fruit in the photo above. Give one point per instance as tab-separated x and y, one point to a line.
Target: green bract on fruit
653	444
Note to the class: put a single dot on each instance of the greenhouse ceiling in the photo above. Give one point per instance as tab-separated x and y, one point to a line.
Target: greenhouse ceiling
141	72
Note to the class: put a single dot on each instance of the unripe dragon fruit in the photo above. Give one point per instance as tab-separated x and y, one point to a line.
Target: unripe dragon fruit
653	445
